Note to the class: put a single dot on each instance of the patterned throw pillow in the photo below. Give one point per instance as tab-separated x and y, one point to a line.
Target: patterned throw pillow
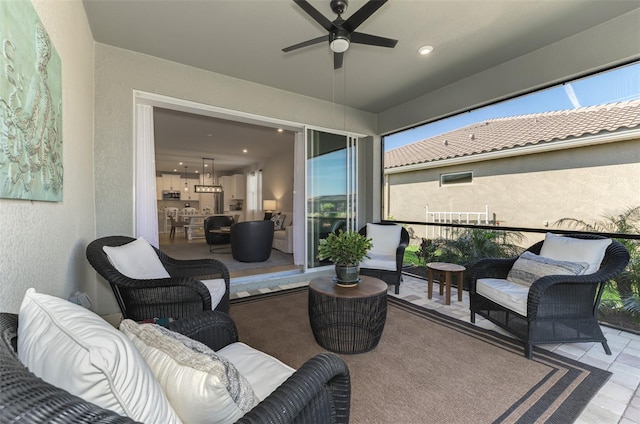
202	387
529	267
278	221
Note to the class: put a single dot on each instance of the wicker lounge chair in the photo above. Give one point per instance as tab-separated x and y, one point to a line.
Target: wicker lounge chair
391	269
559	308
181	295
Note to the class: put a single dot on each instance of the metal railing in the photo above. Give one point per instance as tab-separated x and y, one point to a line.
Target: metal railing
455	217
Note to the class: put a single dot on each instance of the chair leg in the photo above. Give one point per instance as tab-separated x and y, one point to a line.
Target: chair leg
528	350
605	345
473	317
172	233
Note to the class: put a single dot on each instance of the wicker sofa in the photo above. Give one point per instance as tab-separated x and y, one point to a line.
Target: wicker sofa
318	392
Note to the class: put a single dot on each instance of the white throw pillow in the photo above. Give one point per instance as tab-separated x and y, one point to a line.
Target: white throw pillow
575	250
74	349
385	238
202	386
529	267
264	372
136	260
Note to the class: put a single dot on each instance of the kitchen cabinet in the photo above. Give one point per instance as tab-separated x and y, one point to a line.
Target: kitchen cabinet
172	182
233	186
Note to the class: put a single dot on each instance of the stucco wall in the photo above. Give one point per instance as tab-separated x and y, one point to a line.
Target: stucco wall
585	183
42	244
119	72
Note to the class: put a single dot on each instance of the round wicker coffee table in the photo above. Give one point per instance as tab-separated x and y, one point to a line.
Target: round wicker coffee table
347	319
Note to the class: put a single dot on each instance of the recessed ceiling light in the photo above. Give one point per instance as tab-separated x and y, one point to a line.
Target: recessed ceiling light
244	150
280	130
425	50
179	163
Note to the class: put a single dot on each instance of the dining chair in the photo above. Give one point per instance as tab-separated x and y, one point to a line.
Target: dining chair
177	224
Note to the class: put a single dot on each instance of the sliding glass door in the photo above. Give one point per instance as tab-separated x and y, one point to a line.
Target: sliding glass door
331	192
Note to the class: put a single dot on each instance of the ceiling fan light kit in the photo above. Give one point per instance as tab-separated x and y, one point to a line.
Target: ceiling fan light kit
343	32
339	44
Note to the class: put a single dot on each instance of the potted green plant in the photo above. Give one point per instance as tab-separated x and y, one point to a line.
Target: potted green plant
346	249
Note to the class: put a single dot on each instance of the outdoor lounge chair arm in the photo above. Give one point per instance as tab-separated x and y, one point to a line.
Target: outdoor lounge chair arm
213	328
488	268
318	392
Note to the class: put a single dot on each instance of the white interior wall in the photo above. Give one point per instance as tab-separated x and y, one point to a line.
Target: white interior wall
277	180
42	244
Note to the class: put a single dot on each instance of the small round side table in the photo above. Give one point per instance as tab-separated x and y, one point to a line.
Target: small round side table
447	270
347	320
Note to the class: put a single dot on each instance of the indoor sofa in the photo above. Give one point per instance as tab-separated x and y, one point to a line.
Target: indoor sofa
283	235
54	340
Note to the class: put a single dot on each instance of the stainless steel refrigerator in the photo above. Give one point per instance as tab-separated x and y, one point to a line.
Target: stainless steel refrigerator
218	202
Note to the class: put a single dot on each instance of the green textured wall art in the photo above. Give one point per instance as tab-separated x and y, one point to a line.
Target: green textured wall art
30	107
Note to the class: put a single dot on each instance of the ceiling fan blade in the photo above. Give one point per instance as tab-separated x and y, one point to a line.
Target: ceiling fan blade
373	40
306	43
337	60
362	14
313	12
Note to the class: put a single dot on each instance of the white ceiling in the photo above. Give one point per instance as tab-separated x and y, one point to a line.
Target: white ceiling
187	138
244	38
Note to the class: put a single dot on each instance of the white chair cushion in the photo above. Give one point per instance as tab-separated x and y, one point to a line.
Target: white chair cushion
529	267
511	295
385	239
265	373
575	250
74	349
385	262
136	260
202	386
217	289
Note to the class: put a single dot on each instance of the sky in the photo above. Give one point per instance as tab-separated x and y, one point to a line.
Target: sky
619	85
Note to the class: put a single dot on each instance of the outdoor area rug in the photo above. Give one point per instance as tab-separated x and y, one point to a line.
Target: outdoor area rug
428	368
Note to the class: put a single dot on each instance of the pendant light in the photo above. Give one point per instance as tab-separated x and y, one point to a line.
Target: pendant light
208	188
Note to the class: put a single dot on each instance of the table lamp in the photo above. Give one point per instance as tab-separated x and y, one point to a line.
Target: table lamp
268	206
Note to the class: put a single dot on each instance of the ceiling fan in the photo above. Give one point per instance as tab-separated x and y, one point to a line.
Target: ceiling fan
342	32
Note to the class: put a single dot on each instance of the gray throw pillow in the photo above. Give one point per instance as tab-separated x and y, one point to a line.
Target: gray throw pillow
529	267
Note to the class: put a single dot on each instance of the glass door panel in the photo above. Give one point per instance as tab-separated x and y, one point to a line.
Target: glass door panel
331	188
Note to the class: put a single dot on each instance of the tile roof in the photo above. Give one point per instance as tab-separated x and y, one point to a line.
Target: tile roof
518	131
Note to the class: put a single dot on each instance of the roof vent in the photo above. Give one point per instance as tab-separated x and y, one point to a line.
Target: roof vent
472	137
446	142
